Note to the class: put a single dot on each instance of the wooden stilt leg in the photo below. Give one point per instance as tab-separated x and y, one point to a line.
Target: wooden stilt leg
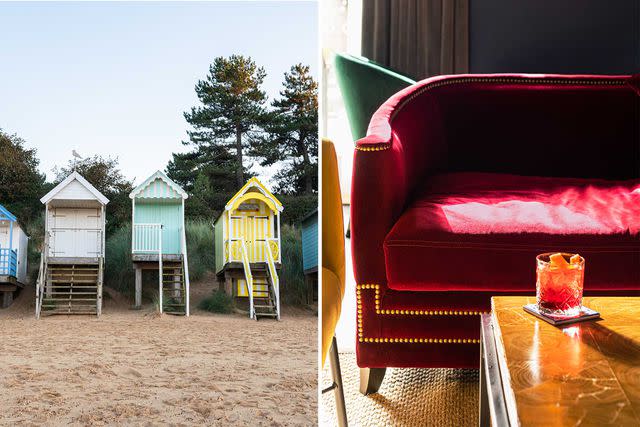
138	297
228	284
371	379
7	299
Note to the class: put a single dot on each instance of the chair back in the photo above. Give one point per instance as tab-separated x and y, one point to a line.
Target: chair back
364	86
333	262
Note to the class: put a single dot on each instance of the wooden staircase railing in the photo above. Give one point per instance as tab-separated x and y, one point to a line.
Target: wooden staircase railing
248	277
185	269
100	282
275	281
42	276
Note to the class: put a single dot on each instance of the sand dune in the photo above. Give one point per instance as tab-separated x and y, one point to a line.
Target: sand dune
139	368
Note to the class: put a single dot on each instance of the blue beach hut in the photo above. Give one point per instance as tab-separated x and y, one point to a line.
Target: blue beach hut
158	241
13	256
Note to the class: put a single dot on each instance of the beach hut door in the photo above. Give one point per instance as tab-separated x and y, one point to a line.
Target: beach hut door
76	233
254	230
4	236
258	230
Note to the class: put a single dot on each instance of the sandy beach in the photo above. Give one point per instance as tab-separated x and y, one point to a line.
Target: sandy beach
139	368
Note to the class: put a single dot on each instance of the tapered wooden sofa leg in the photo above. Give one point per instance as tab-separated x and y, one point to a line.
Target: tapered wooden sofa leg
337	380
371	379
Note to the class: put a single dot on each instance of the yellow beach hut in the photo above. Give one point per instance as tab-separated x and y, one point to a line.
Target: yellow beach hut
247	248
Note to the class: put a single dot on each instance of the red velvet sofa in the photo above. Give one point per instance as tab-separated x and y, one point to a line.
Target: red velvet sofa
462	180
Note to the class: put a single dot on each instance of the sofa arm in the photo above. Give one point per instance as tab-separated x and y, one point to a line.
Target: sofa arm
380	188
388	165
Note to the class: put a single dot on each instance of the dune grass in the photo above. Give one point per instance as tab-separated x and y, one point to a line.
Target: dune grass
118	272
217	302
200	248
292	285
120	275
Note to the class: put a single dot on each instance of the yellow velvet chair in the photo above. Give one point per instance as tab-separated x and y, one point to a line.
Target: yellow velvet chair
333	270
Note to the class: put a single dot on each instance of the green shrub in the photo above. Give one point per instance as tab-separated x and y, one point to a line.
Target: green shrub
35	231
297	207
199	248
119	273
217	302
292	285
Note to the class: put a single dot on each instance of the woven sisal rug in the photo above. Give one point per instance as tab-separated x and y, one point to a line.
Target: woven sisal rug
408	397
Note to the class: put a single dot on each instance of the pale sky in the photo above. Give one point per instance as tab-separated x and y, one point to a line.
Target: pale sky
115	78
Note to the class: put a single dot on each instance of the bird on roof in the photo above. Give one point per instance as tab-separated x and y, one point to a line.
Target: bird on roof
75	154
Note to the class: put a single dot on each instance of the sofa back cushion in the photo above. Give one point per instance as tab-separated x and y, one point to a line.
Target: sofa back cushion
565	130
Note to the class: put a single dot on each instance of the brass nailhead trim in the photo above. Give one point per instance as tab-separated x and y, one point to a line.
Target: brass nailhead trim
423	340
376	287
525	80
373	148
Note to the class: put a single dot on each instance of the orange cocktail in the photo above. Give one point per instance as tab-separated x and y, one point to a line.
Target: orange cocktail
559	285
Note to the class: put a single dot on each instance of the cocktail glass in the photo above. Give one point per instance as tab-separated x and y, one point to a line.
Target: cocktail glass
559	289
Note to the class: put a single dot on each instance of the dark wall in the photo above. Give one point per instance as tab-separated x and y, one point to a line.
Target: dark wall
554	36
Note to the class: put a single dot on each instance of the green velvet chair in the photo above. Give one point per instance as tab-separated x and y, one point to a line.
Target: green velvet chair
365	85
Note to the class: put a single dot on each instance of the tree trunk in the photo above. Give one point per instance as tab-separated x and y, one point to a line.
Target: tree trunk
239	172
308	179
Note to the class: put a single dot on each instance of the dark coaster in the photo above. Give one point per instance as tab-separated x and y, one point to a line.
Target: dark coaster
585	314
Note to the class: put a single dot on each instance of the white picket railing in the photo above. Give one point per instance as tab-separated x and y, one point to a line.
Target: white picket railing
147	238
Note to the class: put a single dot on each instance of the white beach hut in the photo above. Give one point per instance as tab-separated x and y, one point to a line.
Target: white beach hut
72	262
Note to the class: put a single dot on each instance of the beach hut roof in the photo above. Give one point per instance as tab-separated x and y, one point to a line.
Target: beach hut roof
5	215
254	189
146	190
310	215
75	177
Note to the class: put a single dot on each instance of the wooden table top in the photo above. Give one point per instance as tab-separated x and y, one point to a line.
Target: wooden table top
580	374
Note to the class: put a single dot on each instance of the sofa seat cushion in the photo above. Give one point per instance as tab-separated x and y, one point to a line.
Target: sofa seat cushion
482	231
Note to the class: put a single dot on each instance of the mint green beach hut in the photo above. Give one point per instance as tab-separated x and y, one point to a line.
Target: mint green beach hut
158	241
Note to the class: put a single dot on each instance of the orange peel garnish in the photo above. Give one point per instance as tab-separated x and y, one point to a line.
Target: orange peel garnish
558	261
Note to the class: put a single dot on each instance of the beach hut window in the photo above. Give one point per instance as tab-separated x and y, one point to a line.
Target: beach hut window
249	207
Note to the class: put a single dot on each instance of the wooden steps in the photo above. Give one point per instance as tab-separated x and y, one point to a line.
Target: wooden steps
71	289
173	288
263	299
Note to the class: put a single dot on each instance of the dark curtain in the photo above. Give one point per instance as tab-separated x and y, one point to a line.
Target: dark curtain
420	38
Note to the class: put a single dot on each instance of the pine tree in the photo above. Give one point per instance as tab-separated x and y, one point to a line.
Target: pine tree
293	133
199	205
21	185
214	161
230	118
